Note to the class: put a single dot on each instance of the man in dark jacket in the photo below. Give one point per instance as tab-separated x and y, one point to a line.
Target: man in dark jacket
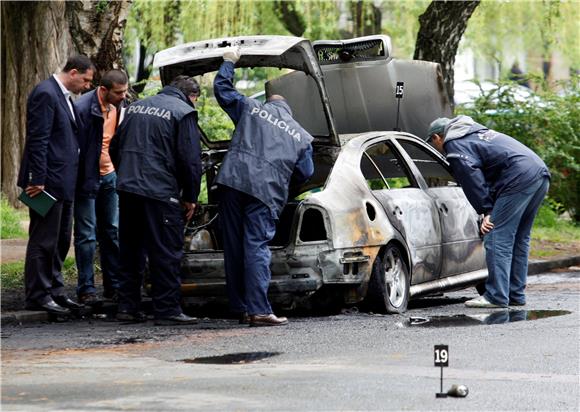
96	209
156	152
505	182
268	149
49	163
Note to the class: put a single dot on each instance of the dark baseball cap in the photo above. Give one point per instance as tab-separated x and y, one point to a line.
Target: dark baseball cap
437	127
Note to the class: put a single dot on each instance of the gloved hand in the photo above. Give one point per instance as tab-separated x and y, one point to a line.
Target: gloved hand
232	54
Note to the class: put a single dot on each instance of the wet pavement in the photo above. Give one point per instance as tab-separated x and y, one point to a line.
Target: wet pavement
353	360
497	316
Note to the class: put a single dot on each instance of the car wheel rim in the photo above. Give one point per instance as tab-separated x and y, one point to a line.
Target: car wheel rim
396	279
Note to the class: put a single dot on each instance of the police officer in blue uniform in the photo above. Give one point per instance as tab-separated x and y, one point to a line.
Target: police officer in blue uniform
504	181
156	152
268	150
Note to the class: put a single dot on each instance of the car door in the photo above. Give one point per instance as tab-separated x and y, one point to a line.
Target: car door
462	249
409	208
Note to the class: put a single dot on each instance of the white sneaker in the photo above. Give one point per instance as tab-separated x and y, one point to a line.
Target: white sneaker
481	302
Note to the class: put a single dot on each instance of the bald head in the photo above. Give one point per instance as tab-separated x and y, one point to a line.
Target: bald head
275	97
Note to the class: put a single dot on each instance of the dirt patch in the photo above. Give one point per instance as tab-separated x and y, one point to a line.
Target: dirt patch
544	249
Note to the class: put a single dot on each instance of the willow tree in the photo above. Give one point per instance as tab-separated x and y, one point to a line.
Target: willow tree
37	39
153	26
543	28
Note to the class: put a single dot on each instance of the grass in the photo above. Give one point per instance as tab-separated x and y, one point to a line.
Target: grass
12	274
563	232
10	219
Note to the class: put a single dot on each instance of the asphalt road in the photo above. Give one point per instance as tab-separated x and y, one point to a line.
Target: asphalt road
530	360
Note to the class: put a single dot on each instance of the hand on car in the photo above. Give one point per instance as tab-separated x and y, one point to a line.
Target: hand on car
34	190
189	209
486	225
232	54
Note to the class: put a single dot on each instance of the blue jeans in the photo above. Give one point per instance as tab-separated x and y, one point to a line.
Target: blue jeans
98	220
247	227
508	244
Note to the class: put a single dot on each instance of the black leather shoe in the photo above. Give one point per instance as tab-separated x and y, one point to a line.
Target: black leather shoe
126	316
67	302
51	307
181	319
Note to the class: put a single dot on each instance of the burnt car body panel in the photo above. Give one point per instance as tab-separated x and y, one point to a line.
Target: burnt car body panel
371	189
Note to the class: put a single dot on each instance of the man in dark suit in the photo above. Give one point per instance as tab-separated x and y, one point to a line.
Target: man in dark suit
50	163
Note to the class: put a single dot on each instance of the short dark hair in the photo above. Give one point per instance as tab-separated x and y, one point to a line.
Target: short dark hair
188	85
80	62
115	76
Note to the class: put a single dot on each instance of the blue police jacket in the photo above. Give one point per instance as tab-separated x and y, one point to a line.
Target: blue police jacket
90	143
268	148
488	164
156	149
51	152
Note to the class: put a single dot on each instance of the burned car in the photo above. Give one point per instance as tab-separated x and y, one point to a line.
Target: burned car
382	220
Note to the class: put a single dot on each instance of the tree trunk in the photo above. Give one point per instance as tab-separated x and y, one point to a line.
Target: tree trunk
441	28
366	18
290	17
37	39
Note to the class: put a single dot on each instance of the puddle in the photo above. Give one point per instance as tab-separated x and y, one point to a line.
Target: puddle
117	341
233	358
492	318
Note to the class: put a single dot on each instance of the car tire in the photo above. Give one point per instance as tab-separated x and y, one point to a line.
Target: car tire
389	285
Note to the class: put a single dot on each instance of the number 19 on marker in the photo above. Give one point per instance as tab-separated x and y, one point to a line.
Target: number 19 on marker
441	355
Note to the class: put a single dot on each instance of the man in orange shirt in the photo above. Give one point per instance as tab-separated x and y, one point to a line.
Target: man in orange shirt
96	209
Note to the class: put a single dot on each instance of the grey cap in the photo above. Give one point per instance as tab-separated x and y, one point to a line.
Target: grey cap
437	126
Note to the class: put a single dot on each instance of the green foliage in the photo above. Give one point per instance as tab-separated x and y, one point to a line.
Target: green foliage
547	215
212	119
101	6
542	28
10	219
12	274
548	123
401	23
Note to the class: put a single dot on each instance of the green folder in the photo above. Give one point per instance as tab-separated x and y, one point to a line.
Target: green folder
41	203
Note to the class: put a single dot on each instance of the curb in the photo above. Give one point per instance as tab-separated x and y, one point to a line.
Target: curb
23	316
539	266
534	267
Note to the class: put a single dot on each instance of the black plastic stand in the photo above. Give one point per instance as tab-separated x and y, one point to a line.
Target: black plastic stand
441	394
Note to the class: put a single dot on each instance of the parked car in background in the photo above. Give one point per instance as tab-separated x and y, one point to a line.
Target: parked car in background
382	220
466	92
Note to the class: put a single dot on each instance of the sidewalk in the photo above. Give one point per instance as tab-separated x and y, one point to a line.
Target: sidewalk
14	250
534	267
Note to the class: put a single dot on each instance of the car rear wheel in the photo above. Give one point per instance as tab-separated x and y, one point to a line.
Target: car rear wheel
390	282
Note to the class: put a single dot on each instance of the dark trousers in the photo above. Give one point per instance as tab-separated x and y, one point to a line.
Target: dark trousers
247	228
153	229
49	240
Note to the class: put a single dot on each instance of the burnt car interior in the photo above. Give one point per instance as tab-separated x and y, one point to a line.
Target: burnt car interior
384	169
